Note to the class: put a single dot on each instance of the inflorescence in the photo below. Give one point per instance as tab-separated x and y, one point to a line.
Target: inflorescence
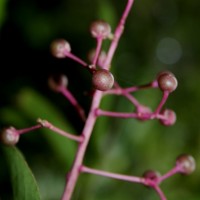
103	84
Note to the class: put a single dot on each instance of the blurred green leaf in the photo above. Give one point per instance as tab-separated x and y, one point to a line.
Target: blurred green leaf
23	182
107	11
10	115
3	4
35	106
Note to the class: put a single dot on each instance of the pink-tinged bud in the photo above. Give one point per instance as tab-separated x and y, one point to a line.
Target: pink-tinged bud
167	81
59	48
100	29
169	117
186	164
9	136
56	82
102	80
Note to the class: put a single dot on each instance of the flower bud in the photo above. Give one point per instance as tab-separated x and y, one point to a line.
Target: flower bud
100	29
9	136
102	80
59	48
186	164
169	117
167	81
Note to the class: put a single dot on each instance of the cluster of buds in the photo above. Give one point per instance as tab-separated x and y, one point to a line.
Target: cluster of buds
103	83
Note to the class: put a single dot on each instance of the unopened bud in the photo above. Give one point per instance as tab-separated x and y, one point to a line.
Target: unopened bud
100	29
9	136
102	80
167	81
169	117
186	164
59	48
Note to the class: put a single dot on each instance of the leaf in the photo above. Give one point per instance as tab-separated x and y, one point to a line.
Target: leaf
11	116
23	182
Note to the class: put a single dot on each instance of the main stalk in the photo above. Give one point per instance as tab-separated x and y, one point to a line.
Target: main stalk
91	119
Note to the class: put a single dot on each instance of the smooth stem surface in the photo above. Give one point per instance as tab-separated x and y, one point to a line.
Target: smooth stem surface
68	95
153	84
100	112
75	58
160	192
87	131
50	126
164	99
25	130
91	119
65	134
117	34
122	177
98	49
170	173
132	99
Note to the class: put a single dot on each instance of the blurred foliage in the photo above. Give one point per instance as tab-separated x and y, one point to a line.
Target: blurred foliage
3	10
21	175
124	146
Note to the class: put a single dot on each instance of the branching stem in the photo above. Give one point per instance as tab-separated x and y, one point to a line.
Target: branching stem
97	51
117	35
65	92
91	119
122	177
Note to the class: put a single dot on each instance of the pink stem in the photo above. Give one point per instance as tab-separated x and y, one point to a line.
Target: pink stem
46	124
123	92
116	91
98	49
160	192
25	130
122	177
91	119
126	91
73	101
117	34
112	175
100	112
153	84
63	133
132	99
164	99
87	131
77	59
169	174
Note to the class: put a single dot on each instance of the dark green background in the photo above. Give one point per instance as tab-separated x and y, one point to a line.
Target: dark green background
125	146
